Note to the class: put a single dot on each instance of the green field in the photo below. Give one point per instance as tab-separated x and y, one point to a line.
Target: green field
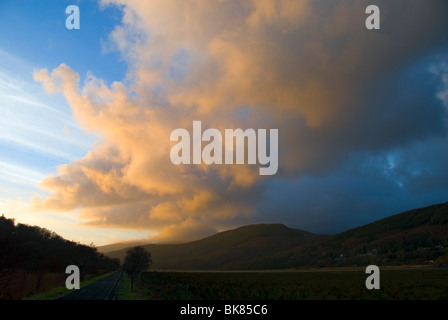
399	284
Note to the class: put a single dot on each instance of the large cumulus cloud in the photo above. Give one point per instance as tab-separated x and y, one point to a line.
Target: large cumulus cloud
308	68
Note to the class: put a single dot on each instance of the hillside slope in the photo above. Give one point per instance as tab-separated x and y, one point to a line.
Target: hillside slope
119	246
248	247
418	236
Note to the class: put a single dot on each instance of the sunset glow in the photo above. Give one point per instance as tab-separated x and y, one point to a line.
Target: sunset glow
86	114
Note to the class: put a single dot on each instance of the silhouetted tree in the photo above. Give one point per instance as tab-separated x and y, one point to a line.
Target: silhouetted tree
137	259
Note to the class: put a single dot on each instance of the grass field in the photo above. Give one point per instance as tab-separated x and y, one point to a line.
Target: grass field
398	284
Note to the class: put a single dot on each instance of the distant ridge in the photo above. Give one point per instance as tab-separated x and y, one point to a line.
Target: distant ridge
247	247
417	236
119	246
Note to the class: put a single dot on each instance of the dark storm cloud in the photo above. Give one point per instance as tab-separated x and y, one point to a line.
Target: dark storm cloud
339	94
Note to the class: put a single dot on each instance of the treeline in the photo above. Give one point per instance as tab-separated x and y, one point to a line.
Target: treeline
32	250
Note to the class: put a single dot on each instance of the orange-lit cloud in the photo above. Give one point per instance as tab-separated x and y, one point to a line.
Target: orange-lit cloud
305	67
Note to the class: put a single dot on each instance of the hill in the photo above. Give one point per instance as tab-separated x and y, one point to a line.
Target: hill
119	246
248	247
418	236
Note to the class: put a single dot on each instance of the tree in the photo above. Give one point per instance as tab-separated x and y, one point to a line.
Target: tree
137	259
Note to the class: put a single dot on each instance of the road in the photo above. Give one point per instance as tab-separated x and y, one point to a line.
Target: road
103	289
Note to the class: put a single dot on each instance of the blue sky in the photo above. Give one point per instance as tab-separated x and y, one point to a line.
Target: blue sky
362	115
38	131
37	34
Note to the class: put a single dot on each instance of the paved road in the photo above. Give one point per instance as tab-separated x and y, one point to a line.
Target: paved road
103	289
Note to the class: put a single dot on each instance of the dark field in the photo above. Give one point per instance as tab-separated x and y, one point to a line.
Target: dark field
398	284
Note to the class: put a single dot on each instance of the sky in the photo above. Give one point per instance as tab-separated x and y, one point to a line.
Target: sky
86	114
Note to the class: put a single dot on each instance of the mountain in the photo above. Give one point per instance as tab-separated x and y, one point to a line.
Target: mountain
248	247
417	236
119	246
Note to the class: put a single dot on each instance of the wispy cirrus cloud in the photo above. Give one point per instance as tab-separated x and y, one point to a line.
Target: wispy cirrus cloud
32	122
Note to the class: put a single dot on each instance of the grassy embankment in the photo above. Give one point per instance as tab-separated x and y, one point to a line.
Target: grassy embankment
62	290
